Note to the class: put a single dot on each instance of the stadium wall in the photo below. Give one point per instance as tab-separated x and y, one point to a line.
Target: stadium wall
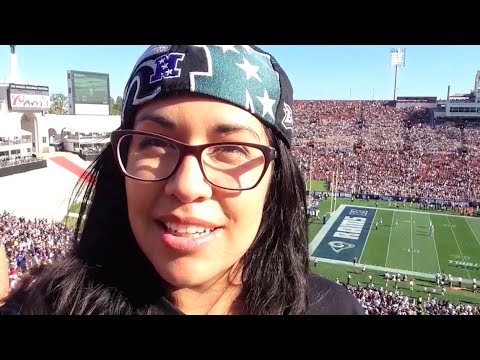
17	169
462	203
40	125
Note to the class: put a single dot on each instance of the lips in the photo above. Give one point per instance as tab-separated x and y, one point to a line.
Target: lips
187	221
186	234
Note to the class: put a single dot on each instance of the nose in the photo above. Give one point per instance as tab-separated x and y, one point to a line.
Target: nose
188	183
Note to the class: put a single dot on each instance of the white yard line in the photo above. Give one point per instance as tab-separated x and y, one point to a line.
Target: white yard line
411	235
458	245
384	269
368	235
325	228
435	245
473	231
388	246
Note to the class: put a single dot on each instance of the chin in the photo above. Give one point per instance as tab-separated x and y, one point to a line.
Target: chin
185	273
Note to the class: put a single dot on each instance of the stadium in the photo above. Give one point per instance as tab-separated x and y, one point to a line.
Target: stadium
392	186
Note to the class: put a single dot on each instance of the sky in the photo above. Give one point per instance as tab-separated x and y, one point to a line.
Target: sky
317	72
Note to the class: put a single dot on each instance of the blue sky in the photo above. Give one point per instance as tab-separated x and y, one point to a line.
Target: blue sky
316	71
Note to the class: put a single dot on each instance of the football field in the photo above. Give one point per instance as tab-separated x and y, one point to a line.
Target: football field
401	242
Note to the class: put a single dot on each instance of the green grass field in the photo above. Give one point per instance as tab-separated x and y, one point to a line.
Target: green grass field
70	220
409	246
422	286
318	185
454	249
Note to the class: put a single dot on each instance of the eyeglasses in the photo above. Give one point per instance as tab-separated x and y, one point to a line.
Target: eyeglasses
229	165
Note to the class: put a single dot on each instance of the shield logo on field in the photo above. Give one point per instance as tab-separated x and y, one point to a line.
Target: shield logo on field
339	246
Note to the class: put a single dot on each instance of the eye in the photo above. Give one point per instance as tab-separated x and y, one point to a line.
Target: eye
149	142
231	149
229	153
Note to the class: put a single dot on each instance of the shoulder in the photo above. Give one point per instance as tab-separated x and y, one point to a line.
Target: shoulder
9	308
326	297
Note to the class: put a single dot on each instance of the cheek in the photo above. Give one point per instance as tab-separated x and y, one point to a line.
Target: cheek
246	211
140	201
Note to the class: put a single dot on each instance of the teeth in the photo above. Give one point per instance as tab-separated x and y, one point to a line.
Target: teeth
189	229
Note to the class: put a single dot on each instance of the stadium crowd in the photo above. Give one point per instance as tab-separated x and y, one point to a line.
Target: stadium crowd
30	243
383	302
379	149
16	160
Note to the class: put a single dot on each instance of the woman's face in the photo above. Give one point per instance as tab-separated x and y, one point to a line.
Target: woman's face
194	232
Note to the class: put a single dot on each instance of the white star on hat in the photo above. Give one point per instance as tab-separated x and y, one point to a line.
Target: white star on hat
250	70
248	48
226	48
267	104
249	102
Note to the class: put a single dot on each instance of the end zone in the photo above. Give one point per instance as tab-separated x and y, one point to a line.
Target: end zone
344	235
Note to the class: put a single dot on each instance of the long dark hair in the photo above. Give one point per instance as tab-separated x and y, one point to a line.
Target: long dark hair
276	265
107	272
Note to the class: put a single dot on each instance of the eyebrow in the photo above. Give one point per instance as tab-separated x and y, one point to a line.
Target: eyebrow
230	128
220	128
160	120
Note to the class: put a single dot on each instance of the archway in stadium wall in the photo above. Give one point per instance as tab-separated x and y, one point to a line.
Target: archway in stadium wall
51	132
29	123
55	140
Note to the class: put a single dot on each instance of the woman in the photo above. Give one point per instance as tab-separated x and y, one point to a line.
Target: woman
198	206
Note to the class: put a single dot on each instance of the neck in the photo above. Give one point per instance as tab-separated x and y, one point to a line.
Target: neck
192	302
218	298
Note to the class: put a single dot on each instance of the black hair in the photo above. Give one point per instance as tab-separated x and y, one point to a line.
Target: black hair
276	265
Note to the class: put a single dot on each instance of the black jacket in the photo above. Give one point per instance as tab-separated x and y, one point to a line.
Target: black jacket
326	297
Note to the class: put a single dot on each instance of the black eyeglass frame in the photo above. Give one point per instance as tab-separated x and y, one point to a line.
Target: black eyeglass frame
269	153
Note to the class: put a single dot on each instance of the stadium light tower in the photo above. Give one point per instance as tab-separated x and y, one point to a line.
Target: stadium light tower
397	59
13	76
